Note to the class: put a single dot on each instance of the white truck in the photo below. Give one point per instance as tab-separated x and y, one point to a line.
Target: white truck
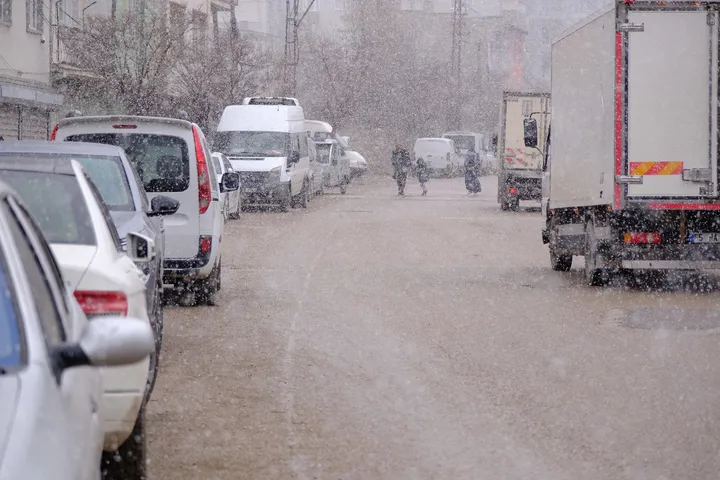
631	180
520	167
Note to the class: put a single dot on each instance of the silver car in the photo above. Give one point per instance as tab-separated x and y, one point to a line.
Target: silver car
50	397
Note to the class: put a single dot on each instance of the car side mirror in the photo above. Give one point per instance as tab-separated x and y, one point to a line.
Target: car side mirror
140	249
530	132
162	205
230	182
108	342
295	157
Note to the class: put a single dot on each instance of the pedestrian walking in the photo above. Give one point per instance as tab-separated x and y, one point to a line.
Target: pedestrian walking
472	176
402	164
423	174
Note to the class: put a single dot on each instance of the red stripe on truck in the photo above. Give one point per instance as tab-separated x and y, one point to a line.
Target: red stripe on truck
619	90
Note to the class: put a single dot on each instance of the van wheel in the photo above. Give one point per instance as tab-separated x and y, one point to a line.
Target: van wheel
305	195
129	462
207	289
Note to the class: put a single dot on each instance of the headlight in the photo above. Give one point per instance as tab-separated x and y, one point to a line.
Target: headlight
275	174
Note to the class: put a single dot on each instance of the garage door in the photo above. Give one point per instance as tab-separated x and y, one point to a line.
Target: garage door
8	121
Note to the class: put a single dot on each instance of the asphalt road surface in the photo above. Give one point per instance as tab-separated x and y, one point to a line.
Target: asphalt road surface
377	337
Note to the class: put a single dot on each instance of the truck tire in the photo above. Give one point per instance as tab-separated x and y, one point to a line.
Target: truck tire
560	262
594	276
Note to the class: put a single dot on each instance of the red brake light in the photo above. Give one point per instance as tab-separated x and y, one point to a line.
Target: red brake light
204	191
102	303
513	190
652	238
54	131
205	244
125	126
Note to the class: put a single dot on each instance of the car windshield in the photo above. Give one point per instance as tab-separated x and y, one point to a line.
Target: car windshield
252	144
162	161
57	203
11	342
462	142
323	153
109	176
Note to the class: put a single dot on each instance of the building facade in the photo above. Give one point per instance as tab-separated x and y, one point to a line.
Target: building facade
27	99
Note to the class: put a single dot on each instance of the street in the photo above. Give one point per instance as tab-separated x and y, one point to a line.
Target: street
377	337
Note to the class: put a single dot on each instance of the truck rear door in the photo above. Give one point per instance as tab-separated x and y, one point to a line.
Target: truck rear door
672	103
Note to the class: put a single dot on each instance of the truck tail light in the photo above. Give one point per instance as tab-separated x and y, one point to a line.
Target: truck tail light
96	303
651	238
513	190
204	190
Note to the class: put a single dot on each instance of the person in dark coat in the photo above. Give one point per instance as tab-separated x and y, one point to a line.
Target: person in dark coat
472	179
402	164
423	174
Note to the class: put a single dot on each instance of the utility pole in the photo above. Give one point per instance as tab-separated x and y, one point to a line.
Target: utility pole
292	46
456	63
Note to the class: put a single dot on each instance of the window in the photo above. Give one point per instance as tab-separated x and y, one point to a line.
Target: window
119	244
228	165
49	316
34	11
199	26
109	176
252	144
66	218
12	345
216	165
6	11
303	146
161	161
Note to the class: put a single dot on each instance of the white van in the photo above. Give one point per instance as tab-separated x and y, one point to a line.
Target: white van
268	146
172	159
440	155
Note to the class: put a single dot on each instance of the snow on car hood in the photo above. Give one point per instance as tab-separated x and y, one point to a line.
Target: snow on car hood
258	164
74	261
9	395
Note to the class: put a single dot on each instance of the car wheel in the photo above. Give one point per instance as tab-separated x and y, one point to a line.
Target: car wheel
154	366
207	288
129	462
286	201
305	195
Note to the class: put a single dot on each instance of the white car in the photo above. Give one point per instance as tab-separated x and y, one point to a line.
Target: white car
50	393
231	201
69	211
172	158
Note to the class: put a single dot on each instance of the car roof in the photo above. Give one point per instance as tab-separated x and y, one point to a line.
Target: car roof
71	148
124	119
28	163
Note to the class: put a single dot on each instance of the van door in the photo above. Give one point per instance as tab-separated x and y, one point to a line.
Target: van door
672	104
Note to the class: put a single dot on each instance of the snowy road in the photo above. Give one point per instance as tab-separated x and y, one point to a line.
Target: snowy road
372	337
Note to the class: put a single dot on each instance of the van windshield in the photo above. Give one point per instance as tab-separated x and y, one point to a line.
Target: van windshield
252	144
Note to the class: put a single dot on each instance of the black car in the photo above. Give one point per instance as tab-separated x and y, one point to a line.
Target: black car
124	195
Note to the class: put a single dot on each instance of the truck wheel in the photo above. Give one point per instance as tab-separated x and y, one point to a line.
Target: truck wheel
560	262
305	194
504	206
130	460
594	276
286	202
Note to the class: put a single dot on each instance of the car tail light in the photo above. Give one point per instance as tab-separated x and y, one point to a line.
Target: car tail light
205	244
54	131
204	191
102	303
653	238
125	126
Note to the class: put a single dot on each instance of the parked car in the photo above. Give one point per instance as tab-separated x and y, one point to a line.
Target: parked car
69	212
172	158
123	194
231	201
358	164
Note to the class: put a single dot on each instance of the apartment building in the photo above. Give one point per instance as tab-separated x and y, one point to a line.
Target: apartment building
26	96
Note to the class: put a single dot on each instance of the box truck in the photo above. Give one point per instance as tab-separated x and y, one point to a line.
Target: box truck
631	172
520	167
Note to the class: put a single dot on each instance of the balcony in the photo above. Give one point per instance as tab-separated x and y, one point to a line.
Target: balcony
66	64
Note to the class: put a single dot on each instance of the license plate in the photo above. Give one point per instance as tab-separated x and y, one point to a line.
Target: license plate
705	238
